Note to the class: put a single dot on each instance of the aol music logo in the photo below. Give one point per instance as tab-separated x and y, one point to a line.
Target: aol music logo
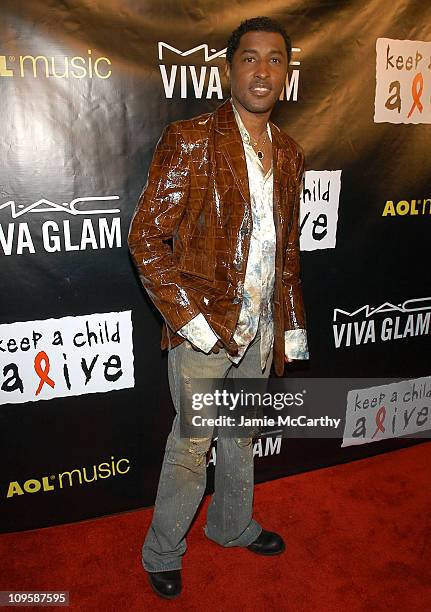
58	67
77	476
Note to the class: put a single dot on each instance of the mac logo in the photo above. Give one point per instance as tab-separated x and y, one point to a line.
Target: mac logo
202	81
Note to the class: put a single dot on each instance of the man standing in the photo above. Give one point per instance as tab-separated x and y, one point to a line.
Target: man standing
225	187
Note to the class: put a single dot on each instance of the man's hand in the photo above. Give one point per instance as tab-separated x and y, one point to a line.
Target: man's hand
217	346
215	349
287	360
232	348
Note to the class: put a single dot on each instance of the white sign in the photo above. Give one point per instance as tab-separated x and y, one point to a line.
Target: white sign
388	411
42	360
319	209
403	81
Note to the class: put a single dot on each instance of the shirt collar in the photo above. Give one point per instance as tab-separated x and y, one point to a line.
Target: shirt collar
242	129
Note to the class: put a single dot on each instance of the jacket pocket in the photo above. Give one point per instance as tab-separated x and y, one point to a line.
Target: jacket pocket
199	262
201	290
197	282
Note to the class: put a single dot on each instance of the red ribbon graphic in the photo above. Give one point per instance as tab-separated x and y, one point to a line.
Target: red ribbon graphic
417	89
43	372
380	419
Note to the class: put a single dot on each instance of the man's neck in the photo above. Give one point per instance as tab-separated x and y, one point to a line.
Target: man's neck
254	123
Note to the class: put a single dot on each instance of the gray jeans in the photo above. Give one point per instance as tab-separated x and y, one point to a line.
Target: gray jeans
183	475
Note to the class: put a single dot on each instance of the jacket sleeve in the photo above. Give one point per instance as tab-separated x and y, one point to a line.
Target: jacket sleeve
158	213
294	315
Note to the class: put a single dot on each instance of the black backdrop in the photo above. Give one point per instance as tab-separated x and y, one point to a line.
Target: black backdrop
86	89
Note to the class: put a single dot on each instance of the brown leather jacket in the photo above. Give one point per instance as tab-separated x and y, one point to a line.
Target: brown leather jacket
197	193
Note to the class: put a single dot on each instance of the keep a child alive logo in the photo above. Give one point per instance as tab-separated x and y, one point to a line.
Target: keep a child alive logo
403	81
68	356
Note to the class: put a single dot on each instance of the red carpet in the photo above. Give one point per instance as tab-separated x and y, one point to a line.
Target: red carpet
358	539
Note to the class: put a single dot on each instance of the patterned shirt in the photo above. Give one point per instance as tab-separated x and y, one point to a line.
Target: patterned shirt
259	279
256	309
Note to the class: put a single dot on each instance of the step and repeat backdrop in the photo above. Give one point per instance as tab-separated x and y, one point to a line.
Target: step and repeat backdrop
86	89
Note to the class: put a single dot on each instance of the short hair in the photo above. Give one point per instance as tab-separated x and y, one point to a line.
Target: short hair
256	24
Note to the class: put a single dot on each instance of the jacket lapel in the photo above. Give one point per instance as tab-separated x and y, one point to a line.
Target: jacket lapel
230	143
278	179
277	161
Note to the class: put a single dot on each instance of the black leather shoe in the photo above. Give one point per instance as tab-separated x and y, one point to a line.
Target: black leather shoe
166	584
267	543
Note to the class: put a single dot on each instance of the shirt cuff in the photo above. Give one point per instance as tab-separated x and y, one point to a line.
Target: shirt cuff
295	344
198	332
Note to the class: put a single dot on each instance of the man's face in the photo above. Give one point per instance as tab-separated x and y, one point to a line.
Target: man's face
258	70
